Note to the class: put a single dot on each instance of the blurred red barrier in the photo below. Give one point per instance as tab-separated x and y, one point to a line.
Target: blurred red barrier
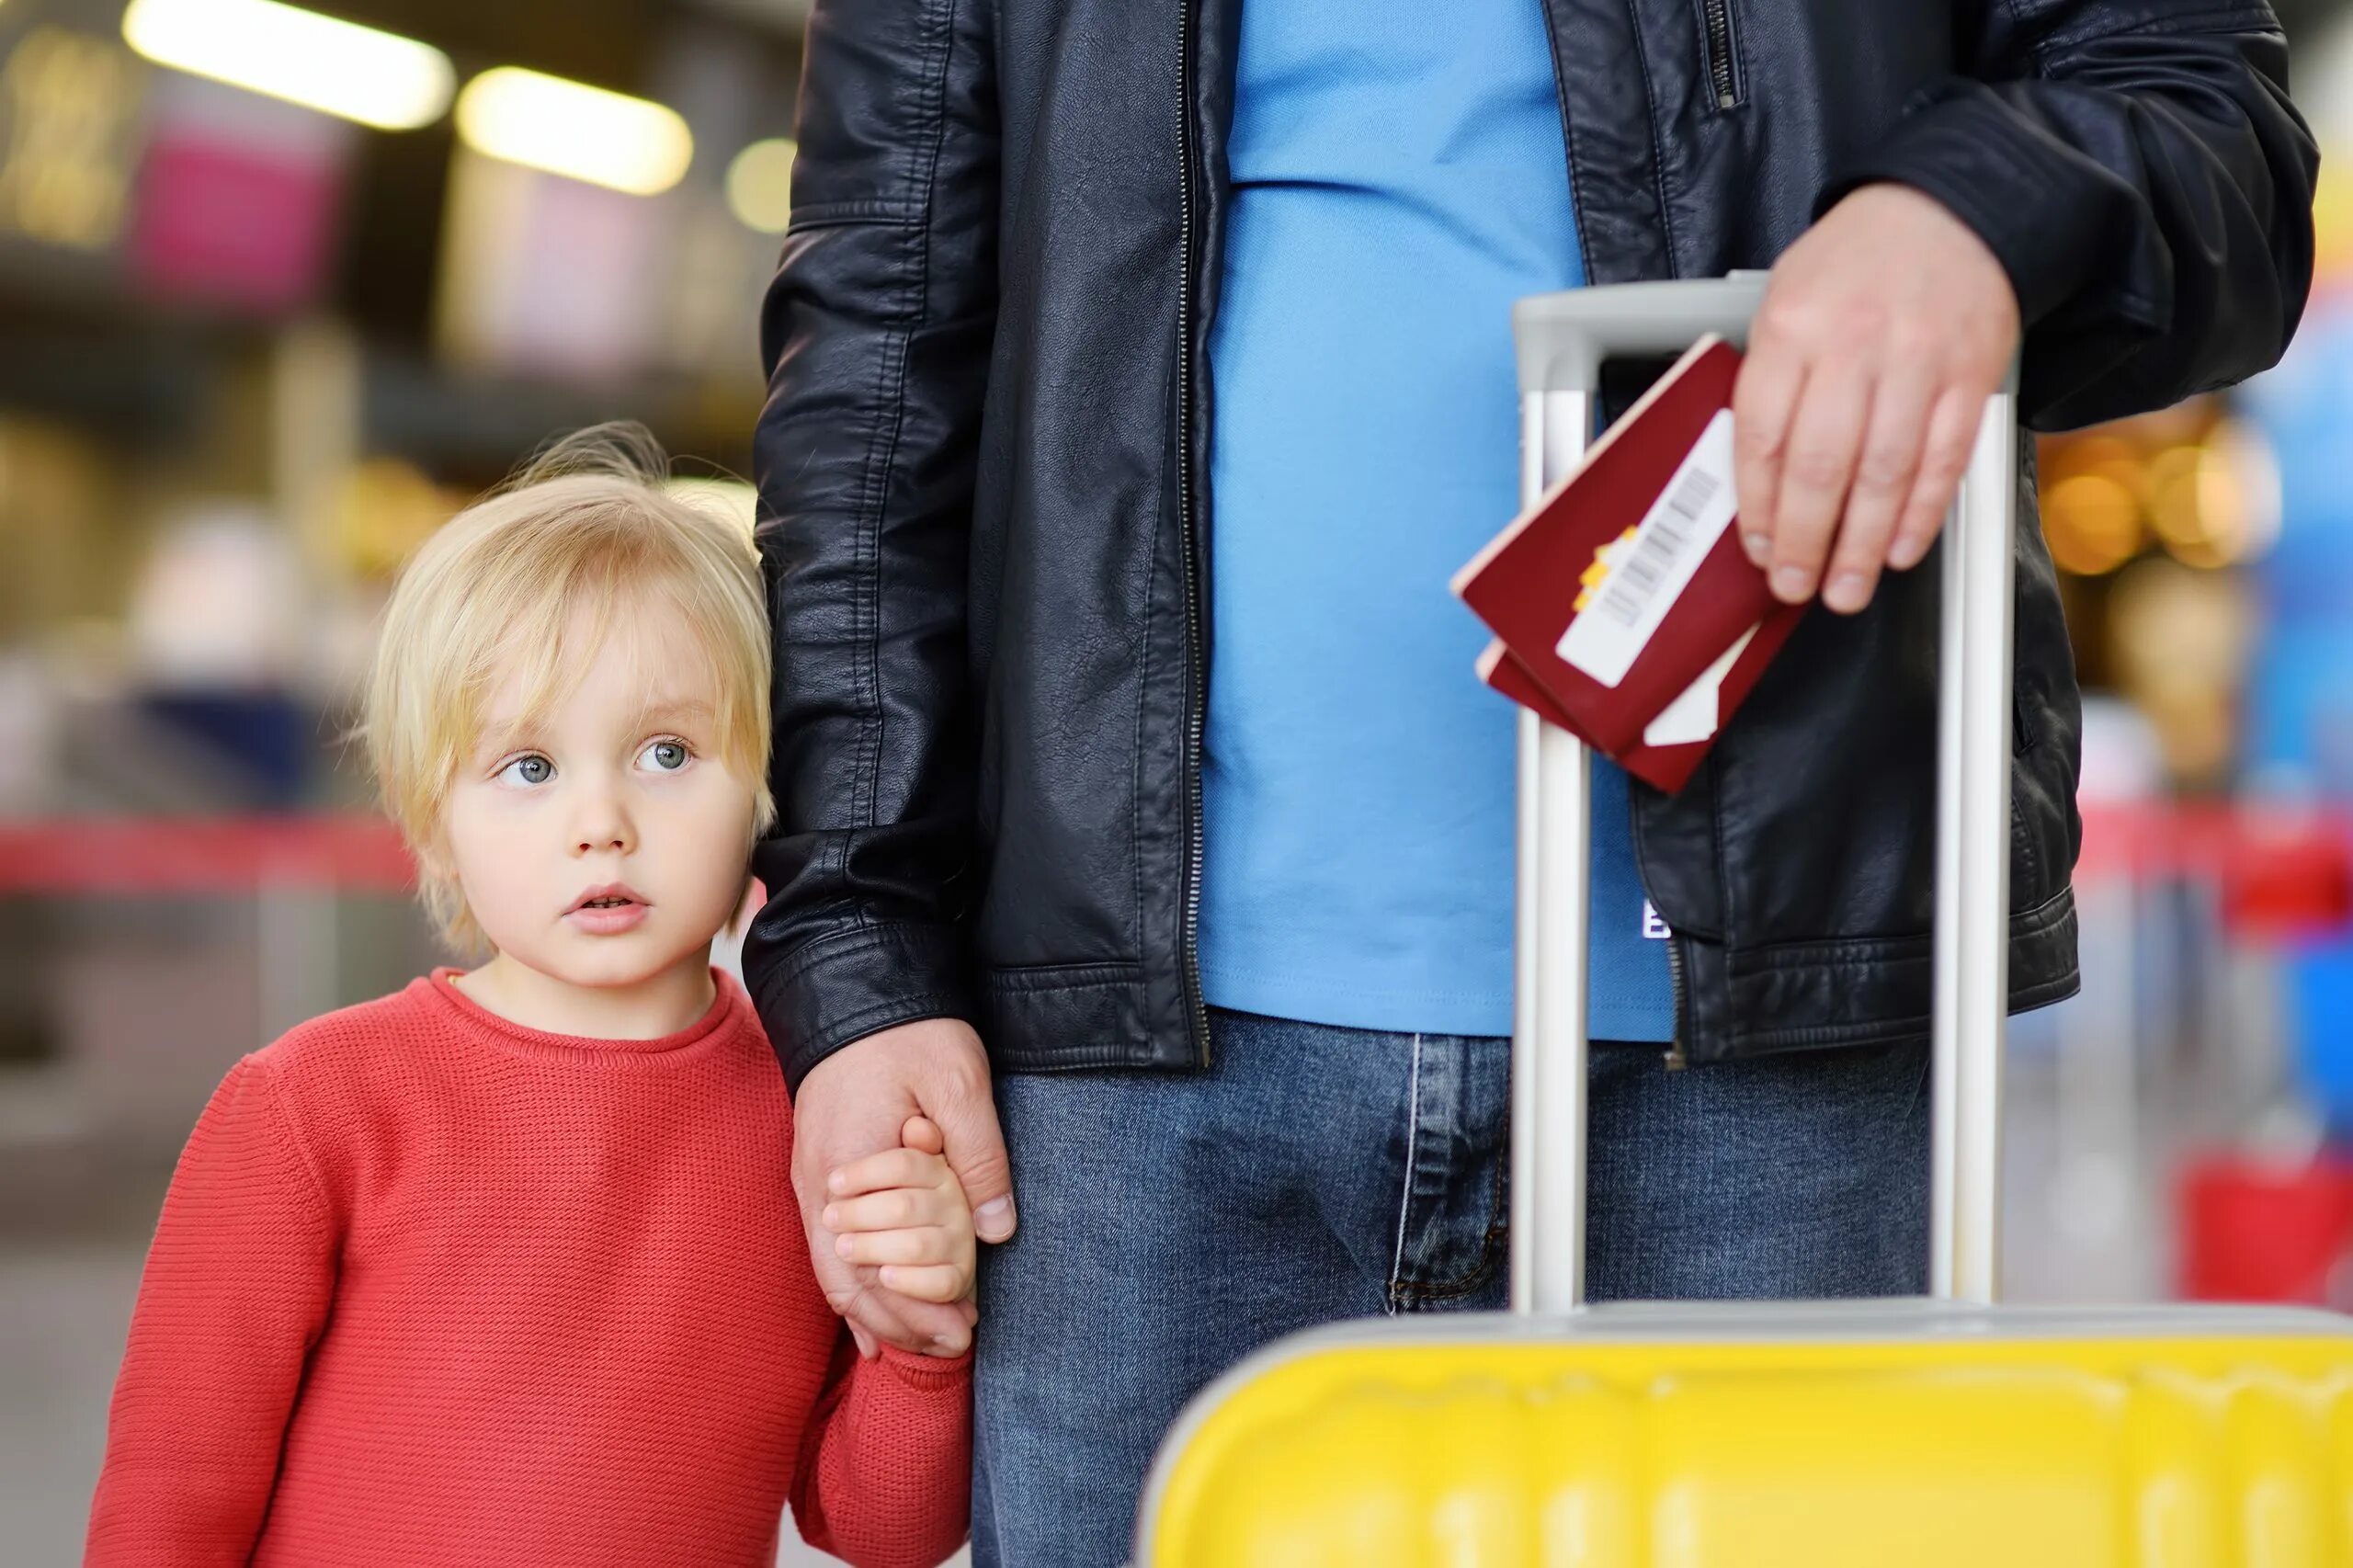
2280	873
2275	867
2251	1232
65	856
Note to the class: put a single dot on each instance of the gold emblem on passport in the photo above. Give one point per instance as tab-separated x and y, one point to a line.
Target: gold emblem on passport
1591	578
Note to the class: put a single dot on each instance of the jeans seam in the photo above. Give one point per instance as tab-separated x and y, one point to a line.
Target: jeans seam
1405	1195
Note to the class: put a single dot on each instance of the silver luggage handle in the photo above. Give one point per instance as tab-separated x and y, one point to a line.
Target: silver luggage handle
1562	340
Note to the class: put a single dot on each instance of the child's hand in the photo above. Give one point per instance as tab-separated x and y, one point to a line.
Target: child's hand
905	1211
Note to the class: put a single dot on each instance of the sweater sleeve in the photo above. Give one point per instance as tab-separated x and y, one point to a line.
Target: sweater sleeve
235	1293
885	1477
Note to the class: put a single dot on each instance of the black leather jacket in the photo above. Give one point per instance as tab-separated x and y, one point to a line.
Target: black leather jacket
983	462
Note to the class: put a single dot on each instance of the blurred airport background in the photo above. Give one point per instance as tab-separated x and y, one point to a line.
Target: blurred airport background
278	291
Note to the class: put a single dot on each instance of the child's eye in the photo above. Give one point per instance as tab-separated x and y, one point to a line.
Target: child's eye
666	756
527	769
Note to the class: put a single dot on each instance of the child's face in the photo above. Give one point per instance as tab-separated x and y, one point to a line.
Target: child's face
604	845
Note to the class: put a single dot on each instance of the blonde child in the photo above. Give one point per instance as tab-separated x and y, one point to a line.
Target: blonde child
506	1267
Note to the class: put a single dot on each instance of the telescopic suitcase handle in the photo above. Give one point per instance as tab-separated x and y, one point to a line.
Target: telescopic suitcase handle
1562	340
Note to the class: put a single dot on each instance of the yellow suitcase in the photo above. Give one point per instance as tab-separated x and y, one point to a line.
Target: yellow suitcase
1943	1432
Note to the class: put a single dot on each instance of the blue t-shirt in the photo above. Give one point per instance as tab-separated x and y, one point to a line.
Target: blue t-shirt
1398	181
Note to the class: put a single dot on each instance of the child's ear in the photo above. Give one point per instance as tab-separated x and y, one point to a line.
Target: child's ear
749	906
435	869
432	863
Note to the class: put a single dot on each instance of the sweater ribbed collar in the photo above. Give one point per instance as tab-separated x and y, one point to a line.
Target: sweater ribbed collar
439	993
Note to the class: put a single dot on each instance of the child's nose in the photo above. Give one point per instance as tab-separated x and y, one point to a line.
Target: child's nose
604	826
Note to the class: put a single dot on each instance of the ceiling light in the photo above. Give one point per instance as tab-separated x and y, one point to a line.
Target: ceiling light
759	184
338	67
574	130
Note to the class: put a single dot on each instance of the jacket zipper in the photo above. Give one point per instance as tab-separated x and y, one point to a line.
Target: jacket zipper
1678	1058
1716	14
1189	958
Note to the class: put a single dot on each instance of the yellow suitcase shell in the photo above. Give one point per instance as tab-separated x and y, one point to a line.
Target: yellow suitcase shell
1915	1435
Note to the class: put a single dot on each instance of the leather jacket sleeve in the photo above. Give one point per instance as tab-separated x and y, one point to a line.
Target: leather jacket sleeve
875	336
2143	178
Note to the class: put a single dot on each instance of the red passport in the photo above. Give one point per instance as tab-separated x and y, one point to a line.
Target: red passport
1673	742
1623	596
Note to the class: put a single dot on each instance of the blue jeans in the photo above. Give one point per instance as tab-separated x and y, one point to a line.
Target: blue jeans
1172	1224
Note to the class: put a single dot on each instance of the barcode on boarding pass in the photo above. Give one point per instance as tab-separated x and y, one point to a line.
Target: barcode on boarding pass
1649	571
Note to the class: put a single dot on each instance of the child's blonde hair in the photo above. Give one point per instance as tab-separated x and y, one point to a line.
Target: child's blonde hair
586	527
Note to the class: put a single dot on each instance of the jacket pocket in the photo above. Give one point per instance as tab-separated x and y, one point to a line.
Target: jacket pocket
1720	52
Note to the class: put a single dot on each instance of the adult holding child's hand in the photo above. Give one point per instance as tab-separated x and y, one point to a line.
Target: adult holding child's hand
853	1104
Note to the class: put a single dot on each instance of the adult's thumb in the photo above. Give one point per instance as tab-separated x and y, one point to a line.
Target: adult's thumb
976	1154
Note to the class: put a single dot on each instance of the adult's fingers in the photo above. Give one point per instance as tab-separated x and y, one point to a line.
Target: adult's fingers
967	1119
867	1306
1825	433
947	1330
1764	397
930	1328
1893	434
1943	458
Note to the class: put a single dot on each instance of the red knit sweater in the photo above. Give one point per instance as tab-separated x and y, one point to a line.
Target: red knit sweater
432	1289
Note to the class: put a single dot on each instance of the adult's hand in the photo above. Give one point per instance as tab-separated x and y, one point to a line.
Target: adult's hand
1882	331
853	1104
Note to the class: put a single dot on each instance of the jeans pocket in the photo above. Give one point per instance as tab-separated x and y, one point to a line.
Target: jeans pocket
1454	1212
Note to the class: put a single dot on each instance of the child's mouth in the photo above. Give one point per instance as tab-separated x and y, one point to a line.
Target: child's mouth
609	918
608	910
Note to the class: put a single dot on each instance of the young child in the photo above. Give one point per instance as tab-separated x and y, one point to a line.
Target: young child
506	1267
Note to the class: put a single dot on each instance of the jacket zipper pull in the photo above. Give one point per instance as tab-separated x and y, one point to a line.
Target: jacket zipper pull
1717	17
